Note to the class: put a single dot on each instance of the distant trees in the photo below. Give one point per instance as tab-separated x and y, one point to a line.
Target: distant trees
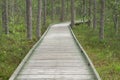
13	12
29	18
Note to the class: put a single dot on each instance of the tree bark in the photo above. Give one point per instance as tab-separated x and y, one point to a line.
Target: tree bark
84	8
90	13
38	28
72	13
52	10
29	18
116	23
102	17
115	16
67	10
45	12
5	16
12	3
94	15
62	11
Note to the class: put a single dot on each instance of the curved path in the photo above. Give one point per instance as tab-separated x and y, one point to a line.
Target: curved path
57	57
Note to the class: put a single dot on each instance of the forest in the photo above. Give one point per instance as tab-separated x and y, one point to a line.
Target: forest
23	22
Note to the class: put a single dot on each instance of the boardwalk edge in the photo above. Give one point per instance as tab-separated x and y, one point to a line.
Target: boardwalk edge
85	54
20	66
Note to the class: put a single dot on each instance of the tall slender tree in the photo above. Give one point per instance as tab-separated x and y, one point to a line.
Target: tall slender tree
5	16
67	9
45	12
53	12
94	14
102	18
116	15
72	13
38	28
90	13
84	8
12	5
62	10
29	18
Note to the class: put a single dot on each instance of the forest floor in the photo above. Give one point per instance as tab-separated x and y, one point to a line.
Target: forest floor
105	54
13	48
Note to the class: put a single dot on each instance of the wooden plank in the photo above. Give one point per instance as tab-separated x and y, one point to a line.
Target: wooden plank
56	72
56	64
56	57
56	61
54	77
57	67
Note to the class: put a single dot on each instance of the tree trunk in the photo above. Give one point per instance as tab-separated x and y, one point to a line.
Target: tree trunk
90	13
72	13
52	10
12	3
62	11
94	15
38	28
102	13
29	18
115	20
45	7
84	8
5	16
67	10
115	16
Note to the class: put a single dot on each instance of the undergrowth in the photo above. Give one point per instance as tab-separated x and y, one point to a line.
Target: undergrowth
105	54
13	48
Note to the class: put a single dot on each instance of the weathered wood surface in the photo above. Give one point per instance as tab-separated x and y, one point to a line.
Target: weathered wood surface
57	58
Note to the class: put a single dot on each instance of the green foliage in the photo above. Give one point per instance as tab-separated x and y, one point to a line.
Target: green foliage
104	54
13	48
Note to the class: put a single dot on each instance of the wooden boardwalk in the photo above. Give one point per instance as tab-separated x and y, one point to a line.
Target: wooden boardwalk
57	57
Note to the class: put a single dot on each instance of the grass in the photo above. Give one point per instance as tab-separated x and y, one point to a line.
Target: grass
105	54
13	48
